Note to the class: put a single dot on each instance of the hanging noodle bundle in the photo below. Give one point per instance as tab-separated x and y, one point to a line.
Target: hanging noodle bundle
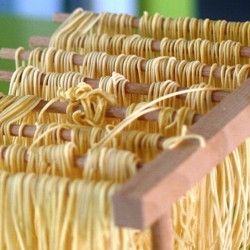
87	202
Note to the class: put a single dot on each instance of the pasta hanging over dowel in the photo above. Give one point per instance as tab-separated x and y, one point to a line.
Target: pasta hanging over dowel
87	202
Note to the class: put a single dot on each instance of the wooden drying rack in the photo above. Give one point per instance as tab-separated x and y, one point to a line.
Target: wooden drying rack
146	199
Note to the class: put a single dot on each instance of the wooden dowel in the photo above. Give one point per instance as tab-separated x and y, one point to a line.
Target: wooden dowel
162	232
130	88
79	161
44	41
111	111
29	131
245	52
65	133
60	17
7	53
5	76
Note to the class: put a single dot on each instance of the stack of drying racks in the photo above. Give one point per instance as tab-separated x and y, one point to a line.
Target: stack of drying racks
208	80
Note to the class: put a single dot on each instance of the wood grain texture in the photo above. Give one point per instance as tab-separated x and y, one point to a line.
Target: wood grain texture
145	197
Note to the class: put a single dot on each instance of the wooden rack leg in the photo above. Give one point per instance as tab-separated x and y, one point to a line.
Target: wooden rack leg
162	233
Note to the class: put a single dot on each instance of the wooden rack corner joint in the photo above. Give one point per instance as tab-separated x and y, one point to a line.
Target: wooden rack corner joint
139	204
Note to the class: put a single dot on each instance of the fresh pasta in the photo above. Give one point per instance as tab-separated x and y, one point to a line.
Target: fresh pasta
53	228
56	186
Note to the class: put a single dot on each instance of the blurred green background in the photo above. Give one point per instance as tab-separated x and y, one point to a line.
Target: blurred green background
171	8
15	32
